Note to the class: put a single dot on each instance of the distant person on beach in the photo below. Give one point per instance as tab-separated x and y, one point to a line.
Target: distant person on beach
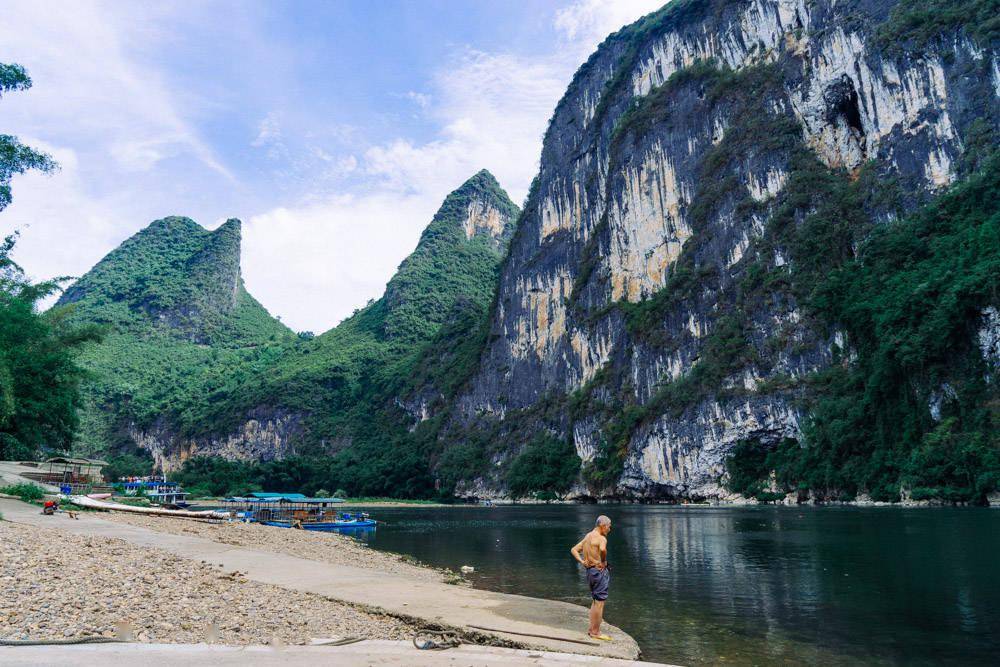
592	553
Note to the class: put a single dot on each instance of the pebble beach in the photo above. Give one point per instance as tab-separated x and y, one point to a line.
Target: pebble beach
56	585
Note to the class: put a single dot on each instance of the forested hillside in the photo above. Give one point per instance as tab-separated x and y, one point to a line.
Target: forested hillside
176	320
192	366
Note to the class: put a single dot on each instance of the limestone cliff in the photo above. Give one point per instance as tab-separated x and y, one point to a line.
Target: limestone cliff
679	148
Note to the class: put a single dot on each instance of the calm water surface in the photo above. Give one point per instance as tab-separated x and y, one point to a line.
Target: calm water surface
745	586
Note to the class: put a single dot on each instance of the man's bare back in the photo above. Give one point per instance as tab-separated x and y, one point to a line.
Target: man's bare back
593	550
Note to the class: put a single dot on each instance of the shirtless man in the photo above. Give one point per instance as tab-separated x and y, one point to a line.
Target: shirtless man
592	553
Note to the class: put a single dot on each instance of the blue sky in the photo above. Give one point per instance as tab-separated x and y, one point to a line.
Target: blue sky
332	129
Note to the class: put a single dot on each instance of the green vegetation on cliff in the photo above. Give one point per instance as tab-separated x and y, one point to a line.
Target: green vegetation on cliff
177	321
189	353
913	24
911	304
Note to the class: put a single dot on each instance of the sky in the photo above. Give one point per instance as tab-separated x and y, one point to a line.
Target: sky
332	129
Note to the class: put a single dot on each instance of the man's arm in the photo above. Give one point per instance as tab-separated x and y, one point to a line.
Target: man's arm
604	553
577	552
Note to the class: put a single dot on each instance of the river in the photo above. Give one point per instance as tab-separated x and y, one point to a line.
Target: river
744	585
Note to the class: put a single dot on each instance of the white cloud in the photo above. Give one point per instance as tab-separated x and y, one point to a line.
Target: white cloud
87	226
321	261
422	100
588	22
268	132
492	110
86	80
313	259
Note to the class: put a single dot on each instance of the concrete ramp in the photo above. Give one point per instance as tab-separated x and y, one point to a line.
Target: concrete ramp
364	654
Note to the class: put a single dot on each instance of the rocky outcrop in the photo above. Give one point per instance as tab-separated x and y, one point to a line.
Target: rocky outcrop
268	434
661	171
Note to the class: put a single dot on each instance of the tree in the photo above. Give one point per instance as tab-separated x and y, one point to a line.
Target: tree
39	376
15	157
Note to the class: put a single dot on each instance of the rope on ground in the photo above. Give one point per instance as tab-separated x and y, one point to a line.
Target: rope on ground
436	640
60	642
529	634
340	642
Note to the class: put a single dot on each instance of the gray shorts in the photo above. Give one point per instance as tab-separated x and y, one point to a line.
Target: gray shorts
599	581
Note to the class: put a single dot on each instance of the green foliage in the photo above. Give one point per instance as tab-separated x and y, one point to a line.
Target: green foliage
548	466
39	374
913	24
909	301
452	355
605	469
747	468
13	77
29	493
205	476
128	464
953	464
446	264
15	157
466	457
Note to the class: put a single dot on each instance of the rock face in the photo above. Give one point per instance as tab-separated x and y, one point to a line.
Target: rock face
656	168
266	434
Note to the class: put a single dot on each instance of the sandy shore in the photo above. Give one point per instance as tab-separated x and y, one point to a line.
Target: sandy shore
55	584
319	546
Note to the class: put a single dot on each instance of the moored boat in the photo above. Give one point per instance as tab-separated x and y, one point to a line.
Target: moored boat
294	510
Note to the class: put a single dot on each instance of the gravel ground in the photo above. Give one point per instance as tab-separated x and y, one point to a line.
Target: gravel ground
55	584
324	547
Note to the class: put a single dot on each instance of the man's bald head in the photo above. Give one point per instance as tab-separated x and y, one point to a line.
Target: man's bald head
603	524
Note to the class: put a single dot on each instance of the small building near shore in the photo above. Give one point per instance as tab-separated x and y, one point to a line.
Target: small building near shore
72	470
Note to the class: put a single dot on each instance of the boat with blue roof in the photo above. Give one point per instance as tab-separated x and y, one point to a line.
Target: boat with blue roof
295	510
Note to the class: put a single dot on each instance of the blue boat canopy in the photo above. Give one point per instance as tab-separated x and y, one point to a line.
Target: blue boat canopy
259	497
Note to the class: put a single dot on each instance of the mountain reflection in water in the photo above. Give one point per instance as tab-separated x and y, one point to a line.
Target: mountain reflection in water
747	585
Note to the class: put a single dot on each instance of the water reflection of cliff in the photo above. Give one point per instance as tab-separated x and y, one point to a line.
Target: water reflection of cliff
762	585
833	586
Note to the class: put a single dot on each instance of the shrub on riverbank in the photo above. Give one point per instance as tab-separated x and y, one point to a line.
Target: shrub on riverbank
27	492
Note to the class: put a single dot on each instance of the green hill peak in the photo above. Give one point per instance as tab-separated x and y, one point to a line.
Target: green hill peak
173	275
458	256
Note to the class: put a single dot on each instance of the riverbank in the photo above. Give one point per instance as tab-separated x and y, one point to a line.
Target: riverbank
323	547
58	585
412	596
